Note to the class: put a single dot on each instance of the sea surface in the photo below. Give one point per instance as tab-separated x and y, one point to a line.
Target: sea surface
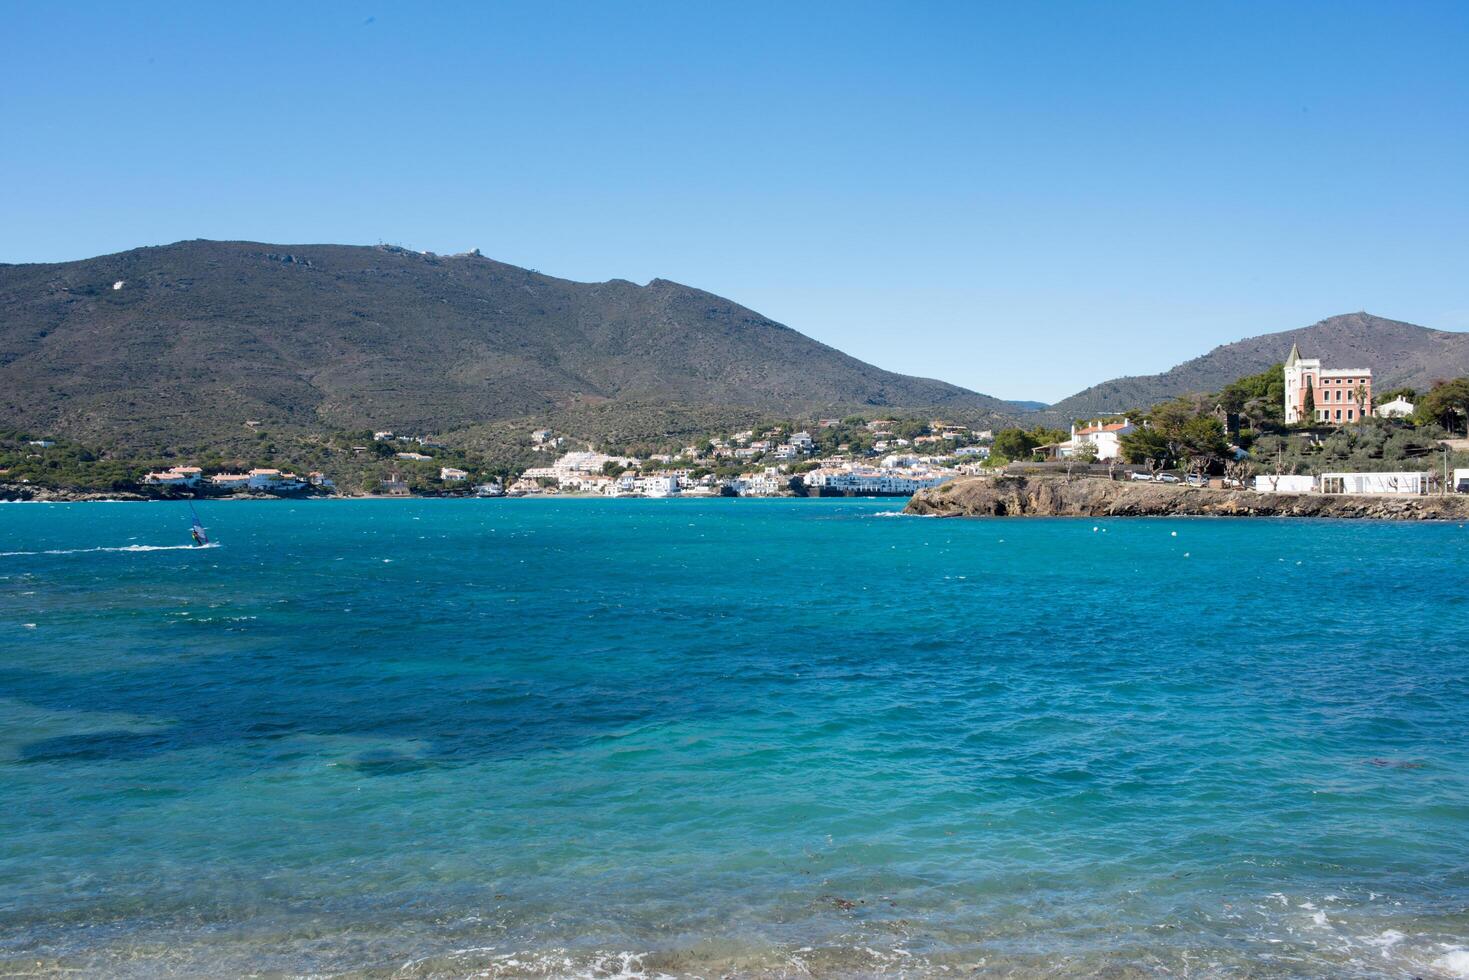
431	738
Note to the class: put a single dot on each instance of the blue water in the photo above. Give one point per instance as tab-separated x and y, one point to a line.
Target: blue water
426	738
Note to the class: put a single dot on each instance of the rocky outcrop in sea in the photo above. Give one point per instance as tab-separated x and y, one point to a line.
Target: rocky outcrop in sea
1025	496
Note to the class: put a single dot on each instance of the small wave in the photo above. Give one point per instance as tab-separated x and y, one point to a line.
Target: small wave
888	513
130	547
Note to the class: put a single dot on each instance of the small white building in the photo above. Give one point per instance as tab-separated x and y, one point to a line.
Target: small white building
43	443
274	481
450	474
230	481
767	484
1374	483
1285	483
1460	482
659	485
177	476
1398	408
415	456
1105	436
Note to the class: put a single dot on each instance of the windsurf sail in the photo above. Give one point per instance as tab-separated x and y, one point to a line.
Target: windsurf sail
197	532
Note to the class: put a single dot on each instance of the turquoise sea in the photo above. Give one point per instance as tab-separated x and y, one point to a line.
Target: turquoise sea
423	738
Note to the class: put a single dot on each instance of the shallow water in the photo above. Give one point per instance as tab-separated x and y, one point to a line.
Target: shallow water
782	738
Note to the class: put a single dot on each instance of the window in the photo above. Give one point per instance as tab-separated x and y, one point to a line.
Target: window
1349	415
1338	415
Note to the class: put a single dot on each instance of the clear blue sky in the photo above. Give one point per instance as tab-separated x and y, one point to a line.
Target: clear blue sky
1023	198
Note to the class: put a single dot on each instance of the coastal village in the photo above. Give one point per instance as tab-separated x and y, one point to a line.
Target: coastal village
1224	441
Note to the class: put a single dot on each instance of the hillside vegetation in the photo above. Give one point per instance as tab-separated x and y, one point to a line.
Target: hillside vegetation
201	336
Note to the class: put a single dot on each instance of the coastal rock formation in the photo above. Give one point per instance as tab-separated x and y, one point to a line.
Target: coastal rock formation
1021	496
16	492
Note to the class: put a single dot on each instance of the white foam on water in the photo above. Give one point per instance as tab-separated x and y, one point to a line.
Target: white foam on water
1454	963
131	547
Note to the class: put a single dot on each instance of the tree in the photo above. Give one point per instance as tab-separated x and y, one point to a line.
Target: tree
1203	435
1308	405
1145	443
1445	403
1085	453
1013	444
1260	397
1239	471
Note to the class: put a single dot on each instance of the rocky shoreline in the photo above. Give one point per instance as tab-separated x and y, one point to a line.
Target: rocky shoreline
1021	496
34	493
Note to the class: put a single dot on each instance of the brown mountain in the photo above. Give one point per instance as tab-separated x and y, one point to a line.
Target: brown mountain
202	335
1398	354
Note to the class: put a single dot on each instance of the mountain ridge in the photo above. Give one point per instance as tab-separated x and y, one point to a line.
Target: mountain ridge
1399	354
203	335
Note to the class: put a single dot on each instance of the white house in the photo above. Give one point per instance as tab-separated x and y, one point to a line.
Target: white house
274	481
766	484
659	485
230	481
177	476
1461	481
802	441
1105	436
572	464
450	474
1398	408
1374	482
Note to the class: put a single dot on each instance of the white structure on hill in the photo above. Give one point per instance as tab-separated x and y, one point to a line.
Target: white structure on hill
178	476
1398	408
1105	436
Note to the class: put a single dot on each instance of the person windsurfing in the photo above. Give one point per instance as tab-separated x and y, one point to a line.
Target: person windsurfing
197	532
